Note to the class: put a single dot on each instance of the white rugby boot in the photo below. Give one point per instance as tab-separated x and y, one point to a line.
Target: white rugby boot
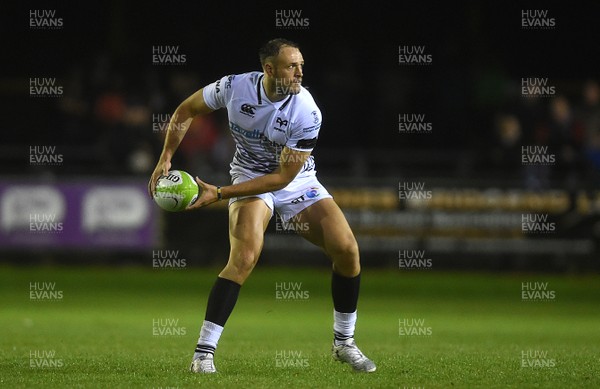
203	364
349	353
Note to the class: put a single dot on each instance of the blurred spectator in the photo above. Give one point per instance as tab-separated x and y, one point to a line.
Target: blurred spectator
506	150
589	111
137	126
73	106
589	114
109	118
109	110
564	134
530	109
198	144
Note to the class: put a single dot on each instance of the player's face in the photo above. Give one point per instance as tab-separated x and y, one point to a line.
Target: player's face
288	71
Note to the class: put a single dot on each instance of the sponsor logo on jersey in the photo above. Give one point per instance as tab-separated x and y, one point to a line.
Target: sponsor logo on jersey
315	117
248	110
310	129
254	134
228	82
311	193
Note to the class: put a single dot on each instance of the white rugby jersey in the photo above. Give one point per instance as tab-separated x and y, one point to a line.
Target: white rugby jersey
262	128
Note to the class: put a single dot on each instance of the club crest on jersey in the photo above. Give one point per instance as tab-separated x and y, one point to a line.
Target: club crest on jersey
311	193
248	110
281	123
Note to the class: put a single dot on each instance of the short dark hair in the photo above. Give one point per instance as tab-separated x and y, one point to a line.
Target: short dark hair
272	48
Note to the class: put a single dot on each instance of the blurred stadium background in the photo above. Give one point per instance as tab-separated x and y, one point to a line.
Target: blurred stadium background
76	155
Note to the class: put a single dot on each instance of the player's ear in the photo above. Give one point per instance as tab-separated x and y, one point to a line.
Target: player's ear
268	69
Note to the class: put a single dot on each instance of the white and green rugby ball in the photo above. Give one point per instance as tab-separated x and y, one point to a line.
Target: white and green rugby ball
175	191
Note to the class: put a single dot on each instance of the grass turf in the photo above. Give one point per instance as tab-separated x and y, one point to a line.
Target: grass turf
137	327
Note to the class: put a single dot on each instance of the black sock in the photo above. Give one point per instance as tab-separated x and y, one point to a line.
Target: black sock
221	301
344	291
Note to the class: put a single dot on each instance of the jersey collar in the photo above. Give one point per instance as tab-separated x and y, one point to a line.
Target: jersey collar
259	88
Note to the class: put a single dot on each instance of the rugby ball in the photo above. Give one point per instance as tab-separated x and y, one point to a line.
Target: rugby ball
175	191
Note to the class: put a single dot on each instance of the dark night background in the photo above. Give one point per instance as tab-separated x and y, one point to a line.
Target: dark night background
102	57
479	53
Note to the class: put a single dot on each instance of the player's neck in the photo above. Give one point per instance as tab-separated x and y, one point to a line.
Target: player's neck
271	91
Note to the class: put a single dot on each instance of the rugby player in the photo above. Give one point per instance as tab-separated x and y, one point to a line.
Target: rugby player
275	123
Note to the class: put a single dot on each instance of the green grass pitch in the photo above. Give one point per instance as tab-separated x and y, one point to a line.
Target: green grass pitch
137	328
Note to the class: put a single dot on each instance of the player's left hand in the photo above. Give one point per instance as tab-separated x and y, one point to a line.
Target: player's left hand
208	195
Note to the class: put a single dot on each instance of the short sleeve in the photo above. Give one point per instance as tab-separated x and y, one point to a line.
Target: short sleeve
305	133
218	94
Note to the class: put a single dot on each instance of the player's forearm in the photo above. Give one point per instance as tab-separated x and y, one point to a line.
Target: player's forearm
178	126
263	184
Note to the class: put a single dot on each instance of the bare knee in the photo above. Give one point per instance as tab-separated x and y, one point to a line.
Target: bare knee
345	257
240	266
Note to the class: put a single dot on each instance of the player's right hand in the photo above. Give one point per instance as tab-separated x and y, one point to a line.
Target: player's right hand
208	195
161	169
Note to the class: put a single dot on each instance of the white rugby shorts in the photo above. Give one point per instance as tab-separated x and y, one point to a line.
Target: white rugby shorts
298	195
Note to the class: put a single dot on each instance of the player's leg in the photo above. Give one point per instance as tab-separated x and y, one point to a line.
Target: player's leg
248	219
329	229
